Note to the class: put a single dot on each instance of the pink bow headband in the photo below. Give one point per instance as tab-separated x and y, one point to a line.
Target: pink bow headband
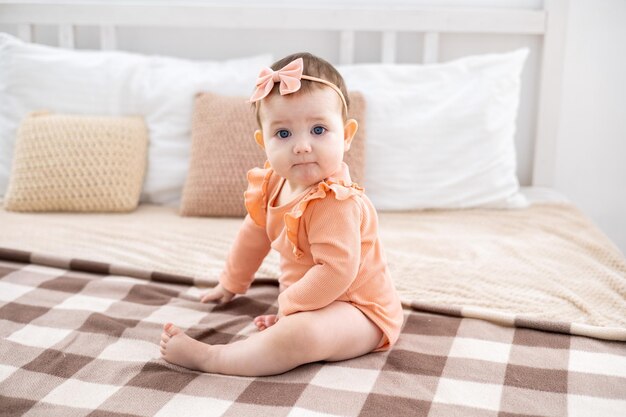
289	77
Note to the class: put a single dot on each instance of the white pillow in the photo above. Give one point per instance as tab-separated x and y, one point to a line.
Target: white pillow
162	89
441	135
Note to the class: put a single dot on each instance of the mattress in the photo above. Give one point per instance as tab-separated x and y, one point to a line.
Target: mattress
507	312
546	266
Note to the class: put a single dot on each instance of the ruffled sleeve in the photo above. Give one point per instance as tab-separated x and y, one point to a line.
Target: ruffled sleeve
338	188
256	195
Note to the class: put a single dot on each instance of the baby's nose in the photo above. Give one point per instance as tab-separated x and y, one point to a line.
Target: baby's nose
302	146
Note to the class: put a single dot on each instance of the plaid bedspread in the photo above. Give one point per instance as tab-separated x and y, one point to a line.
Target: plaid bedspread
78	343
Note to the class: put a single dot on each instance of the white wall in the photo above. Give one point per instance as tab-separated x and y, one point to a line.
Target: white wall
591	165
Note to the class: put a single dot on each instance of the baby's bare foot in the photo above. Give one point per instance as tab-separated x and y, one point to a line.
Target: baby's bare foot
263	322
180	349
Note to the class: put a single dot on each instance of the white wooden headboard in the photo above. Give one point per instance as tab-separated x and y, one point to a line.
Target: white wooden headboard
391	22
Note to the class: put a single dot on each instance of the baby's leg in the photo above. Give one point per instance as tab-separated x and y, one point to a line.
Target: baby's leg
336	332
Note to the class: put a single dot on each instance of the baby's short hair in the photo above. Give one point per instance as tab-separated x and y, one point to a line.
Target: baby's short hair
314	66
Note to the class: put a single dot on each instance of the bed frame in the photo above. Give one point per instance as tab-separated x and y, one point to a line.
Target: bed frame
548	24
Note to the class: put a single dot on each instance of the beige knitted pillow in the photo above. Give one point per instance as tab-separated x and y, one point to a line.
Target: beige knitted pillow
223	150
77	163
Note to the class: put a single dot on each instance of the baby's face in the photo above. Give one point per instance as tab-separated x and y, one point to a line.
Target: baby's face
303	135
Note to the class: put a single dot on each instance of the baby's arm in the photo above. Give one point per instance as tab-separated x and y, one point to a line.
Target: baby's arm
249	249
218	294
335	237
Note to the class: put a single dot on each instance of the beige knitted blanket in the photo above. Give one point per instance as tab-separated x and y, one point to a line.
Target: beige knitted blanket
545	263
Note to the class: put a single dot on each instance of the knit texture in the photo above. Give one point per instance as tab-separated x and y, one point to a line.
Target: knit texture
223	150
77	163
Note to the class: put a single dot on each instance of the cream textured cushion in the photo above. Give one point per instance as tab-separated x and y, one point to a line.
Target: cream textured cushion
77	163
223	150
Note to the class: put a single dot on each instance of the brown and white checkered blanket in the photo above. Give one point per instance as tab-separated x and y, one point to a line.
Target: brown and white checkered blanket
81	340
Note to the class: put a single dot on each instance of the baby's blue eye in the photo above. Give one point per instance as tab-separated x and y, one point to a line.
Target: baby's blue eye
283	134
318	130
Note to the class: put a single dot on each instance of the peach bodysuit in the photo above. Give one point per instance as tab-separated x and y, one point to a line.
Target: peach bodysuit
329	249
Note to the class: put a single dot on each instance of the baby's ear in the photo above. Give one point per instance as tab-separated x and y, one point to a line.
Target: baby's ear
258	137
349	130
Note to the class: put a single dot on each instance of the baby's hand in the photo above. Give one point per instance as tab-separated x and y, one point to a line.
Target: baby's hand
263	322
218	294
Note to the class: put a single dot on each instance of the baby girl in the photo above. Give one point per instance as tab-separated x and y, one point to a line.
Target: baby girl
337	299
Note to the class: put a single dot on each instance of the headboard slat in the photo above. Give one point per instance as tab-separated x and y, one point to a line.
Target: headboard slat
549	106
108	37
25	32
66	36
388	54
431	48
346	47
